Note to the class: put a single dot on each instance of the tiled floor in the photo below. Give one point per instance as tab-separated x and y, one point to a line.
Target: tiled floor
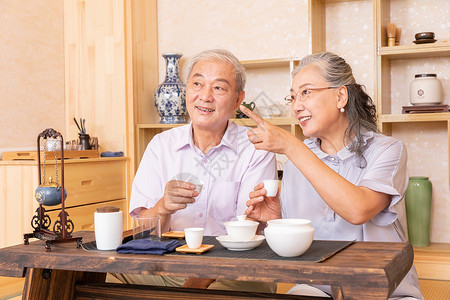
435	289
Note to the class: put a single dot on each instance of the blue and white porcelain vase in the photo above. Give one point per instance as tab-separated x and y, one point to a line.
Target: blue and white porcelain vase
170	96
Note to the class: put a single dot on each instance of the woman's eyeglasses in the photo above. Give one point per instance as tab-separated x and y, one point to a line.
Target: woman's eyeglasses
305	94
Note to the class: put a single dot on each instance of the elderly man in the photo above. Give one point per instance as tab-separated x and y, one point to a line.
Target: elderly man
211	148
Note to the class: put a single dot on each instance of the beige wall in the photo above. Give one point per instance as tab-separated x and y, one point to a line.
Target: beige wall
31	71
279	28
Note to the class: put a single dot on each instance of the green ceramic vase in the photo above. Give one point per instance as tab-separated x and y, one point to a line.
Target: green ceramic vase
418	210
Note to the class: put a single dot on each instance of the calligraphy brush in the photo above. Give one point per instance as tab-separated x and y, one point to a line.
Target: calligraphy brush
78	125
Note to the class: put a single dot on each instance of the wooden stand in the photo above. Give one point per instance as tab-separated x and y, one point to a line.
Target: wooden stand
424	109
63	227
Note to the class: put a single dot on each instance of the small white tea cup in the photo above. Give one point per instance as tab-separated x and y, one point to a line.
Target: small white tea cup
188	177
271	186
193	237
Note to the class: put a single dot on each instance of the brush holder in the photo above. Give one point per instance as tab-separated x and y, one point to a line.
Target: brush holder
85	141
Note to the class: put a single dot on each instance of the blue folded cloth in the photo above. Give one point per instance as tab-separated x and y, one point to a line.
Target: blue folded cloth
144	246
111	154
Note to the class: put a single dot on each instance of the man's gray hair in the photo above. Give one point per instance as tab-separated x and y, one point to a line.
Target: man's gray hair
223	56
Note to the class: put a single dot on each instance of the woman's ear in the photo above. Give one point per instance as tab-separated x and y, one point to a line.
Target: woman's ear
342	97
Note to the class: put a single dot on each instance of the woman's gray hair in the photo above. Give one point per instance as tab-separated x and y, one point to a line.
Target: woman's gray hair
360	108
223	56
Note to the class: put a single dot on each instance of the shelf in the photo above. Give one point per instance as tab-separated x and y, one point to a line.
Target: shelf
243	122
415	51
433	262
157	126
274	121
409	118
269	63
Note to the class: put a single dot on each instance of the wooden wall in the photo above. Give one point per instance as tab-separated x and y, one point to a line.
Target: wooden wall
31	70
94	49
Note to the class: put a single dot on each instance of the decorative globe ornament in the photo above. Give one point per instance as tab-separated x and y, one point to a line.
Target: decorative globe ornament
49	194
170	96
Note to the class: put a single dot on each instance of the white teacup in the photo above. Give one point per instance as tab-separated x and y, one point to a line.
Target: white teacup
271	186
193	237
243	230
188	177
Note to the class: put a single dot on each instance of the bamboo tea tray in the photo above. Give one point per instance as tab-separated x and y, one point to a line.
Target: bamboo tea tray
32	155
174	234
185	249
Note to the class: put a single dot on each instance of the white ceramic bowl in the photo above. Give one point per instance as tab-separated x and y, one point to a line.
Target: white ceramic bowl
240	246
289	237
241	230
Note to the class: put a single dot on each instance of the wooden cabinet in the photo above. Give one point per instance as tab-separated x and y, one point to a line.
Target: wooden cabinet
90	183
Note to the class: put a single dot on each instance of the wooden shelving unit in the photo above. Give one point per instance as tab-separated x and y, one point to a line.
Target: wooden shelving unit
384	56
431	262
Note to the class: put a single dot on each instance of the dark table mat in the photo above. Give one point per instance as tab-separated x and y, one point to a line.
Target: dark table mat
319	251
92	245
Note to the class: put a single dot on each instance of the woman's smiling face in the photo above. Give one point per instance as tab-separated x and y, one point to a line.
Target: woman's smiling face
211	96
317	113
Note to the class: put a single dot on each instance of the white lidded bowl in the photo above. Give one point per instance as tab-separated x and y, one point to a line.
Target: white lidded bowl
289	237
241	230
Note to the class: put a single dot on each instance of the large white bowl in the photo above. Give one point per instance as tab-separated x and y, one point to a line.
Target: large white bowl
289	237
241	230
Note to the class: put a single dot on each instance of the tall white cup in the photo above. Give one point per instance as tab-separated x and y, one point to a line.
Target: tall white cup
108	230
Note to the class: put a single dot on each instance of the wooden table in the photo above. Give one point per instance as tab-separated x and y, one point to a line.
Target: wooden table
364	270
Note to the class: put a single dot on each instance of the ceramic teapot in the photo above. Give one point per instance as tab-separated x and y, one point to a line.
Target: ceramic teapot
49	193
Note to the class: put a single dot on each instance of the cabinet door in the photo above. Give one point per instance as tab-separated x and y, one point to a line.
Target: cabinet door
92	182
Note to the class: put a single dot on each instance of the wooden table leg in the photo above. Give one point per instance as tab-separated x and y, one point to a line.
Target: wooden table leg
56	284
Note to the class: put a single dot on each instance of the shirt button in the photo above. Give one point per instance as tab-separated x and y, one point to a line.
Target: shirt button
333	159
200	215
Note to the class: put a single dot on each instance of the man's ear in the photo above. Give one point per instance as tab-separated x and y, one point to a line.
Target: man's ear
239	99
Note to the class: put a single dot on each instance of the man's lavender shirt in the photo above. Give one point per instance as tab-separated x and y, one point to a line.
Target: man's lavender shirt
229	172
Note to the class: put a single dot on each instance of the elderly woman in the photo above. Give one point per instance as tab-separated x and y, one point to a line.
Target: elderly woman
347	178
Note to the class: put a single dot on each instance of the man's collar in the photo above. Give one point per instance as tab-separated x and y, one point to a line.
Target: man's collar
229	138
